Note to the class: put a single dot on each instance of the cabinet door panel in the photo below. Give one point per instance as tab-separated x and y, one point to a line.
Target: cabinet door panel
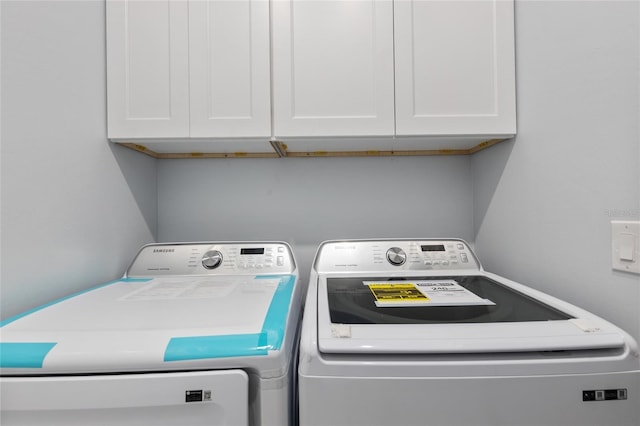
229	68
454	67
147	64
333	68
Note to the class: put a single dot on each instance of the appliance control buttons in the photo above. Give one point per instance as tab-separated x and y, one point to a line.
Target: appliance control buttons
396	256
212	259
464	258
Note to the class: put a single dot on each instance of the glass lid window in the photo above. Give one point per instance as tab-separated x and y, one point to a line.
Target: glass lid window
429	300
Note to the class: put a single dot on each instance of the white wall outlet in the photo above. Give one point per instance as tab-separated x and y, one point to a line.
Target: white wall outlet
625	246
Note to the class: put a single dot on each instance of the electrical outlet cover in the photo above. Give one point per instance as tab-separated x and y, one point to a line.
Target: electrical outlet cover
625	246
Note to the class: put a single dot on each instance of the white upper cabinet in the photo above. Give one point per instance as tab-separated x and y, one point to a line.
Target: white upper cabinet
311	76
147	69
229	68
332	68
403	68
454	68
188	69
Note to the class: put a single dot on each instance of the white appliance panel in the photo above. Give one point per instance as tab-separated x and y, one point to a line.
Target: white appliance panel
554	400
196	398
372	256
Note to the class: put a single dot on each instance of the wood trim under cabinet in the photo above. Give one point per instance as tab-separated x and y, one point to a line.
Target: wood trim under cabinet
280	151
182	155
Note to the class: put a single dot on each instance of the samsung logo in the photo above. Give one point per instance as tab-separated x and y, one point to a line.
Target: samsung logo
164	250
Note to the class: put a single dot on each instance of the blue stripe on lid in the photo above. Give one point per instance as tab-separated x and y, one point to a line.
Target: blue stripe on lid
23	355
275	322
32	354
204	347
238	345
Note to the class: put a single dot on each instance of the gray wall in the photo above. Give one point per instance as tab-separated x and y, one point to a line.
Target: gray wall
74	208
543	204
307	200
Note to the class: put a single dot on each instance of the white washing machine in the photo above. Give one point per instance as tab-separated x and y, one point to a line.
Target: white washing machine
194	334
415	332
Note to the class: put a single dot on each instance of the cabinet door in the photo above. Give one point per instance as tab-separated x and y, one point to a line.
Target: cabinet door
229	68
147	69
454	67
332	67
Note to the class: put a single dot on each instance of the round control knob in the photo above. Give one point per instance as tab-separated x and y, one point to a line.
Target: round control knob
212	259
396	256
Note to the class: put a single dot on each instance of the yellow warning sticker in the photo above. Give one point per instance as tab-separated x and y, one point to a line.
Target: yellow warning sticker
443	292
406	292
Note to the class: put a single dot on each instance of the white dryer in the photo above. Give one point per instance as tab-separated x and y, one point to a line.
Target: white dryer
194	334
415	332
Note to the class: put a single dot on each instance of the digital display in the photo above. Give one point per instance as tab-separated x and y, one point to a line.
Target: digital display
259	250
433	247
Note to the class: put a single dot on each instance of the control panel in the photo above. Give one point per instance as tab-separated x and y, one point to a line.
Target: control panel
396	255
212	259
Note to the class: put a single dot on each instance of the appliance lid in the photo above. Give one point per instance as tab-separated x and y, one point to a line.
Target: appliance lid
150	324
449	314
